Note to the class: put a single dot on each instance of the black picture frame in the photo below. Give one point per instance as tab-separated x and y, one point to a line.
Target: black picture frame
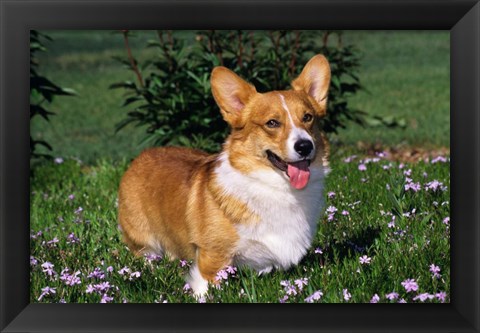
461	17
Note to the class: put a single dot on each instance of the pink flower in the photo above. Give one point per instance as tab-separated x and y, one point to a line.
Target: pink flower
301	282
362	167
410	285
318	250
124	270
221	275
375	299
423	297
393	295
106	299
441	296
47	291
314	297
435	270
47	267
231	270
364	260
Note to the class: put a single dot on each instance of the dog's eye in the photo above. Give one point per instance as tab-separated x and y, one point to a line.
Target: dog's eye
272	123
307	117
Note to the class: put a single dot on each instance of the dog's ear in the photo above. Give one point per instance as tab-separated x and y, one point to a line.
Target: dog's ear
231	93
315	80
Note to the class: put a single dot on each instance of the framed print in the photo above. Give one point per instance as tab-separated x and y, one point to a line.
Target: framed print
72	250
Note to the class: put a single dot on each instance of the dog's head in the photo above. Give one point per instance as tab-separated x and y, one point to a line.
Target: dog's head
276	129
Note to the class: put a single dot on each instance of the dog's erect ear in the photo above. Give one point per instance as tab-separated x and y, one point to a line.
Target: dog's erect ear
315	80
231	93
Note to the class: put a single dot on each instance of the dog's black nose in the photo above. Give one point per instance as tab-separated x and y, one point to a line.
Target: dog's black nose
303	147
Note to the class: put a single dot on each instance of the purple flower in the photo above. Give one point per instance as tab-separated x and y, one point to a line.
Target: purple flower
288	288
393	295
53	241
301	282
362	167
439	159
97	274
152	257
318	250
109	269
402	301
90	289
47	267
365	260
331	195
71	197
183	263
423	297
135	275
415	187
314	297
186	288
231	270
346	295
102	287
331	209
345	213
58	160
71	239
375	299
47	291
283	299
435	185
441	296
221	275
410	285
70	279
435	270
78	210
33	261
124	270
106	299
391	224
446	220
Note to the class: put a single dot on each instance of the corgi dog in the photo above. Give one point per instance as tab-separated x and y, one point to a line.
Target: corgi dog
256	203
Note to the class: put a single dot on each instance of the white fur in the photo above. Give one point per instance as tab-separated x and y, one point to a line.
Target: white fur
196	281
295	134
288	217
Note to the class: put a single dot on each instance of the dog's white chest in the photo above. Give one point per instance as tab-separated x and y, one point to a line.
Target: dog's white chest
288	217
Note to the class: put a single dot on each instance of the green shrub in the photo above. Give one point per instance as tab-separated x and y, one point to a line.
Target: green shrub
171	95
42	91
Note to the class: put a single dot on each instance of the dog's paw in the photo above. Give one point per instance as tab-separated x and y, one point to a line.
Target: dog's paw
198	284
265	271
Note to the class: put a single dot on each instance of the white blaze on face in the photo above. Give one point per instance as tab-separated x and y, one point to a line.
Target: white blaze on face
296	134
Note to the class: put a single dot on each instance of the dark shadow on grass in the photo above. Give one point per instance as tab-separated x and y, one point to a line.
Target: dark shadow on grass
335	249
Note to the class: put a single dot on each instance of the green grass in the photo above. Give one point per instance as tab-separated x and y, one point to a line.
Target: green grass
405	74
402	252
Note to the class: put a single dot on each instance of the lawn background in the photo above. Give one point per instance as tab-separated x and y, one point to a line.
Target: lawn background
405	74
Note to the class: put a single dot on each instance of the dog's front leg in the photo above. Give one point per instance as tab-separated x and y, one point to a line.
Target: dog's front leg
208	263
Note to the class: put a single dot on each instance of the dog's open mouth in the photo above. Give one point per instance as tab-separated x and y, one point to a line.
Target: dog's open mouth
298	172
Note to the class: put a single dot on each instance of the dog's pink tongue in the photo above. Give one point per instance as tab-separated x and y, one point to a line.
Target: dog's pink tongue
299	174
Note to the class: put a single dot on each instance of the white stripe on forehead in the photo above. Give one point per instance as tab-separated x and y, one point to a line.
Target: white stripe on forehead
285	107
